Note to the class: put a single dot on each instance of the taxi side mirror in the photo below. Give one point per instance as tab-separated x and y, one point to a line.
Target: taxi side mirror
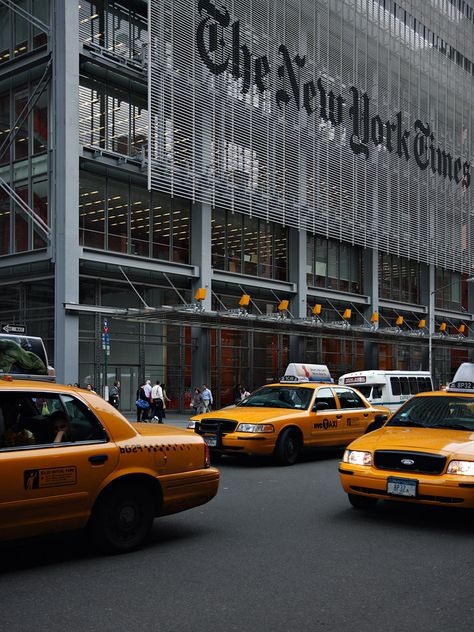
320	406
377	423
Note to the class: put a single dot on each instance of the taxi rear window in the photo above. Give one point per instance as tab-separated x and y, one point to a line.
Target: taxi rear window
293	397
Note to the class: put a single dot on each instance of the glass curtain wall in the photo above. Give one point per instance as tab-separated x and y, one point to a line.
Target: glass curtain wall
17	35
399	278
112	119
247	245
114	26
334	264
122	216
24	162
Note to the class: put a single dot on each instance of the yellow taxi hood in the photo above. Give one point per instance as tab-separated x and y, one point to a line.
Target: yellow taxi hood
252	414
419	439
161	430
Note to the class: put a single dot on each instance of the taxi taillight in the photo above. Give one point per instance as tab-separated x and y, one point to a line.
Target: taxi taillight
207	456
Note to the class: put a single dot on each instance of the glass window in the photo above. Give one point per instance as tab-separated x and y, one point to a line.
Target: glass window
117	215
21	138
4	125
92	210
404	386
21	29
139	221
218	238
326	395
40	9
234	242
436	412
344	267
293	397
4	222
83	424
413	385
281	252
395	383
251	254
181	219
161	218
349	398
40	124
29	419
21	224
118	125
5	38
265	250
40	206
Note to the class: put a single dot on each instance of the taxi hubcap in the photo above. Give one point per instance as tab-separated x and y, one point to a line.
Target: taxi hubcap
127	516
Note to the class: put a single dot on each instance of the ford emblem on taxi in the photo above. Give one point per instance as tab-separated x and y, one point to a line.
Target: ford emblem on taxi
408	462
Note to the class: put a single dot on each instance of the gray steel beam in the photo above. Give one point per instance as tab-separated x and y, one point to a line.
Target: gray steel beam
250	282
201	257
65	115
138	263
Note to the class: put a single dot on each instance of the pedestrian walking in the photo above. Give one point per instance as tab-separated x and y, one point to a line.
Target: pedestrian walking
237	393
166	399
142	404
244	393
114	397
197	402
157	398
207	398
147	391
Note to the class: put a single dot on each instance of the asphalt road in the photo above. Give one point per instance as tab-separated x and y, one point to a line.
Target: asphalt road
279	549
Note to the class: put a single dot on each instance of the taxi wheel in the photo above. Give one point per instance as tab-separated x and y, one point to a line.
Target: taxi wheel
288	447
362	502
122	519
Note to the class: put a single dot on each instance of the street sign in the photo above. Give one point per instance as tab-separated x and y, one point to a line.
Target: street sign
14	329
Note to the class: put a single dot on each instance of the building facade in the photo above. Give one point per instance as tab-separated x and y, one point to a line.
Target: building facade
303	168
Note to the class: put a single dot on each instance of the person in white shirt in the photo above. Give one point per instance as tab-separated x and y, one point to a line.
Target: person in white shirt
157	397
207	397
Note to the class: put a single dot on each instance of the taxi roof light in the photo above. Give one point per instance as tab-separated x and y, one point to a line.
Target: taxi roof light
463	380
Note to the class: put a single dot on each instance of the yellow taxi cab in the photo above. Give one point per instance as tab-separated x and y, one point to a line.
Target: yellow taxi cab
283	418
423	454
69	460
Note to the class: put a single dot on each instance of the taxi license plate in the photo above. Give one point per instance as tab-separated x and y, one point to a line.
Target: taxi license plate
211	440
402	487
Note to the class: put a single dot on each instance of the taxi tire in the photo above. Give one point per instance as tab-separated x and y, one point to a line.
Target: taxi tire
122	504
362	502
288	447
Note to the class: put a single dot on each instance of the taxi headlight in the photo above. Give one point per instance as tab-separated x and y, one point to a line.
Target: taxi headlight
465	468
357	457
191	424
255	428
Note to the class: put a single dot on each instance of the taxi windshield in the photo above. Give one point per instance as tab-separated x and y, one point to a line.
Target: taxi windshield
446	411
293	397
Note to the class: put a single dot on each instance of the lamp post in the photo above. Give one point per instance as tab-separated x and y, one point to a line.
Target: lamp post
431	312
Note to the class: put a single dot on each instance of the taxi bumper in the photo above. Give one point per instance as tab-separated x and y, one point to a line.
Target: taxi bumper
245	443
184	490
444	490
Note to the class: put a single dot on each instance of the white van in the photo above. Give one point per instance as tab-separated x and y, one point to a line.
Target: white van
388	388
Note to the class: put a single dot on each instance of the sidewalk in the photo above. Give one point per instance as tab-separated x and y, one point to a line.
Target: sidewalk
172	418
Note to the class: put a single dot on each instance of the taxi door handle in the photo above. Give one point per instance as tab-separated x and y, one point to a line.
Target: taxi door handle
338	416
98	459
366	414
